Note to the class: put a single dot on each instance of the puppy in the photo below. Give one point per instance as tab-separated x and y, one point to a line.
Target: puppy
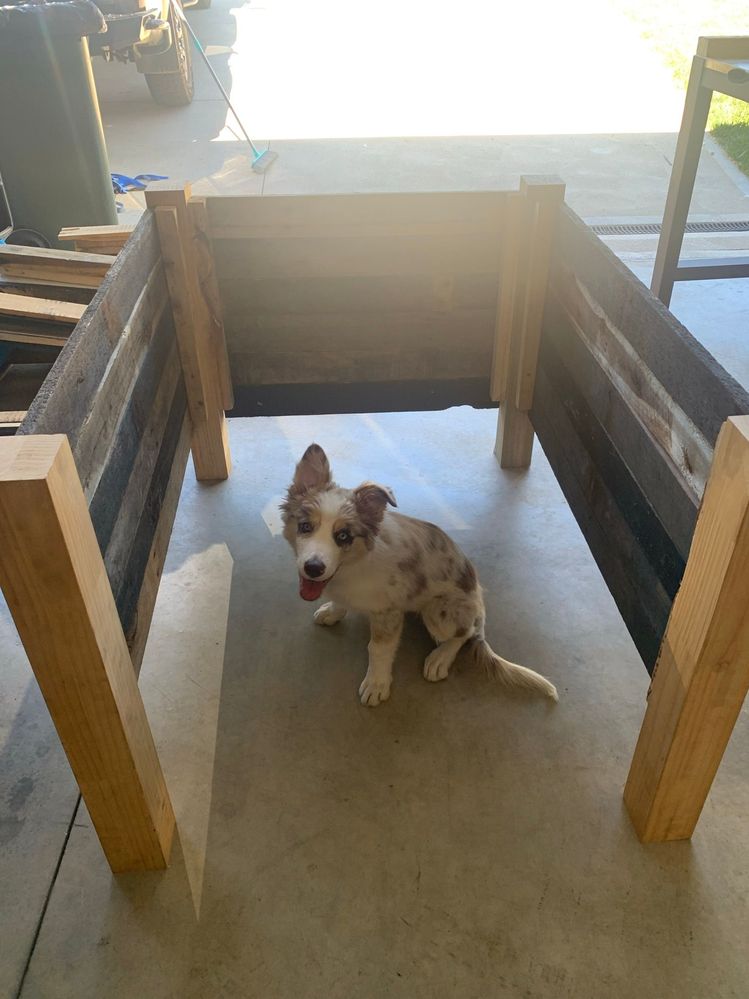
366	558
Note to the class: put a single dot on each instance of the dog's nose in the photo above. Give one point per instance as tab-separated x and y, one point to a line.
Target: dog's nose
314	567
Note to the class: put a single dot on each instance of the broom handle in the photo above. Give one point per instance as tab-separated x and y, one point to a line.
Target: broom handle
211	70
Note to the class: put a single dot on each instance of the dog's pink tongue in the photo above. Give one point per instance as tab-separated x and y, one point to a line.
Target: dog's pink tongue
310	589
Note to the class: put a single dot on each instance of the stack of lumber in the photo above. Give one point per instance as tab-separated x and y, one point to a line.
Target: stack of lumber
44	293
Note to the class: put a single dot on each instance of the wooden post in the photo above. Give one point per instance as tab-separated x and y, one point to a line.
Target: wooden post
702	673
56	586
532	216
196	333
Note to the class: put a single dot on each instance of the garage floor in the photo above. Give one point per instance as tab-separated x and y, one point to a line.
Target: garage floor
457	841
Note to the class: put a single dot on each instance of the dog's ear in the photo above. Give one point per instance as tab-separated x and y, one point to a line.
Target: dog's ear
312	472
371	500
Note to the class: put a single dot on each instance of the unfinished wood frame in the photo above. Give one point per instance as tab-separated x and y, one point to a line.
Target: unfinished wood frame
628	407
103	499
199	329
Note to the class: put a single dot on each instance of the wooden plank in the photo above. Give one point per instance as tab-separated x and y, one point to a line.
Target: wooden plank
106	485
56	587
629	575
544	196
97	238
356	215
361	348
66	397
82	270
627	422
506	306
58	292
210	446
149	319
687	372
437	294
12	417
140	620
127	595
702	675
132	499
208	283
358	256
47	339
723	46
41	309
514	443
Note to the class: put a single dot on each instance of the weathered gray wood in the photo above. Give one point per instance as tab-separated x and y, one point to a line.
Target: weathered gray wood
356	215
140	619
669	487
689	374
597	502
93	440
166	467
439	294
67	394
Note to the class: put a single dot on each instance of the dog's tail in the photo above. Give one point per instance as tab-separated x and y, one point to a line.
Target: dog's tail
510	673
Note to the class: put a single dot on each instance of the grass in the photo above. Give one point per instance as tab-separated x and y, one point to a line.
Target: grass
672	28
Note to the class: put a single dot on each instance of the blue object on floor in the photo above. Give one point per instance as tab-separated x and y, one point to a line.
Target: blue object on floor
121	183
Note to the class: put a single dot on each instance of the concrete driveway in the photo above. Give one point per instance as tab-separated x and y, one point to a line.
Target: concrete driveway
418	95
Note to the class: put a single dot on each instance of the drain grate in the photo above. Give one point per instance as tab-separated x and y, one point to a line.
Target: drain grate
654	228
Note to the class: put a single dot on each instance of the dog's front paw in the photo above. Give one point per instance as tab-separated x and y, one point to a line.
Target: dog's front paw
329	614
373	690
437	665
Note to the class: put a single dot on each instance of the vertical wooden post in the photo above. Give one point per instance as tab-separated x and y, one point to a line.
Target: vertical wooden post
532	216
56	586
197	333
702	673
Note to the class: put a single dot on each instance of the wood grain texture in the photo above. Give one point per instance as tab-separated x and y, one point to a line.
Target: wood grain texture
208	285
210	445
356	215
139	622
41	309
702	675
685	370
107	239
619	526
56	587
82	270
65	399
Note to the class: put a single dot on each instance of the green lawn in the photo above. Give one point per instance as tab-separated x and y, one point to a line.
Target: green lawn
672	29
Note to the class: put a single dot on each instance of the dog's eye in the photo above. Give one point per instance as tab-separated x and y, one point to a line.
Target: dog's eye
344	537
304	527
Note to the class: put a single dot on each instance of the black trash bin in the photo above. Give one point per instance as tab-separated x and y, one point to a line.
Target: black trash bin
53	159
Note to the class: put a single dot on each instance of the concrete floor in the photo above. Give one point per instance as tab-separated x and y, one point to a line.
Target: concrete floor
457	841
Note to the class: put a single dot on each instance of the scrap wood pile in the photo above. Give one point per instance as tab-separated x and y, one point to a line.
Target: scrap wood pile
44	292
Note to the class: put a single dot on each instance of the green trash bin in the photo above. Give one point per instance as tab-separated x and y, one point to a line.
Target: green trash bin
53	159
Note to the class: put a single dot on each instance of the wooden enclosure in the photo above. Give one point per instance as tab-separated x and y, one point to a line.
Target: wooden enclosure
354	303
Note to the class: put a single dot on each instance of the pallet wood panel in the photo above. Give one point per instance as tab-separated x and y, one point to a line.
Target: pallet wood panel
354	289
628	412
117	391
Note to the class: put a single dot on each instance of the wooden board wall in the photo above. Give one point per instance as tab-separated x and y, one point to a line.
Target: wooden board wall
627	407
352	289
117	391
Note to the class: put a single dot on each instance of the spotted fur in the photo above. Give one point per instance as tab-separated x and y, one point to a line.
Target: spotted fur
385	565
